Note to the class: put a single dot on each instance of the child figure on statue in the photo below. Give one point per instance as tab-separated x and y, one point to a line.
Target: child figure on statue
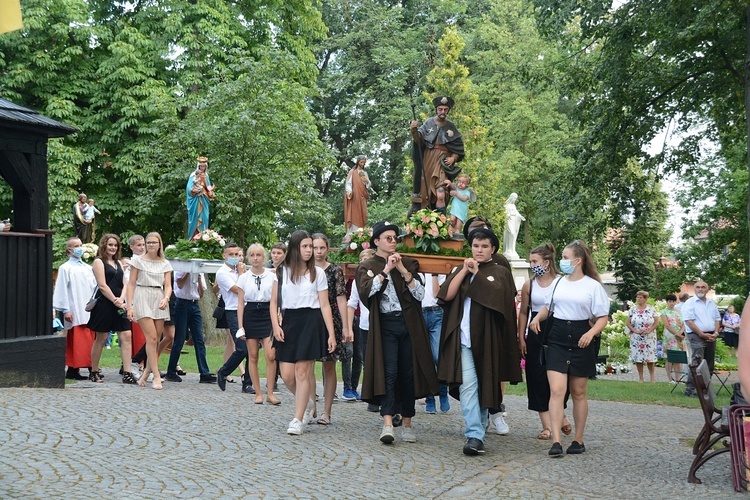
440	202
460	204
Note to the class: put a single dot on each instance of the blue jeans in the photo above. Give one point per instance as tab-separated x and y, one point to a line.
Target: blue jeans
240	347
434	322
475	417
187	314
351	362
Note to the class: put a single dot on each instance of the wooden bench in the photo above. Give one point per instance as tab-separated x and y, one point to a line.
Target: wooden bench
715	426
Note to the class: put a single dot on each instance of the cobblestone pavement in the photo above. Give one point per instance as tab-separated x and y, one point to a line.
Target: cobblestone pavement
192	440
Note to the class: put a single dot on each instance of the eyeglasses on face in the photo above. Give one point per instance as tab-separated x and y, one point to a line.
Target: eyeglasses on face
152	243
389	239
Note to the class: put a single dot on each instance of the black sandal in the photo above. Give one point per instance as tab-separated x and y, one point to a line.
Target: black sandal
129	378
95	377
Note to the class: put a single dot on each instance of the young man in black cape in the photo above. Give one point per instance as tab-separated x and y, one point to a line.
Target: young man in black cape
478	346
399	367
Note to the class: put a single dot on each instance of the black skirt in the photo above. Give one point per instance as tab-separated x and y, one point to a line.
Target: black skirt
537	384
563	353
105	318
256	320
305	336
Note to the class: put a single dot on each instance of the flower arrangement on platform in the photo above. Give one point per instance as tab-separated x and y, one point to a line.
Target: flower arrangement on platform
428	227
358	240
89	252
207	244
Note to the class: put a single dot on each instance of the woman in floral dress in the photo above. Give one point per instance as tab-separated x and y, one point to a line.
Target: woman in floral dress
337	299
642	323
674	333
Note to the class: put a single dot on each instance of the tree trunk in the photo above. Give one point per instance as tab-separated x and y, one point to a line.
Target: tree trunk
747	139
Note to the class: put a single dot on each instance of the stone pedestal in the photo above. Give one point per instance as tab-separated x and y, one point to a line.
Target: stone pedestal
521	272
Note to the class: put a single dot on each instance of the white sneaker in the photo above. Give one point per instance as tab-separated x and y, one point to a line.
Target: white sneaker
150	377
295	427
135	369
500	426
387	435
408	435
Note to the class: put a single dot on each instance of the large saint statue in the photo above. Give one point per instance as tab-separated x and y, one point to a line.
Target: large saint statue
513	219
84	228
437	148
199	192
356	195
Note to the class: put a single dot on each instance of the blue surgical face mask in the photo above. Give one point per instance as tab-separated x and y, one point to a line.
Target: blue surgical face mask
539	270
566	267
78	252
233	261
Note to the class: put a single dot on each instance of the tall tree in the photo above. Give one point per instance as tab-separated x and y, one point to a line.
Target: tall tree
644	65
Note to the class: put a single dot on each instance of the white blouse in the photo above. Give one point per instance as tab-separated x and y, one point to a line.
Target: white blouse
305	292
578	300
539	294
257	288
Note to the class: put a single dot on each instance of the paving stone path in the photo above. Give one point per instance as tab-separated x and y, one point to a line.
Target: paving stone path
192	440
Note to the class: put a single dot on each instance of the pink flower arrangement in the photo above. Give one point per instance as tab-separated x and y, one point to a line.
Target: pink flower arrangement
427	227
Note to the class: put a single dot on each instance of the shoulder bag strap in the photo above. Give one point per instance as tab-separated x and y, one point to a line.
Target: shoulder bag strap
550	314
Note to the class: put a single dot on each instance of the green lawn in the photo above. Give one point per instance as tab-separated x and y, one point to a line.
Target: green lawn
657	393
605	390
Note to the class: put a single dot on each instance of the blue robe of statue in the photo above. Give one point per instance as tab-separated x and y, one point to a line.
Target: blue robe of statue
198	206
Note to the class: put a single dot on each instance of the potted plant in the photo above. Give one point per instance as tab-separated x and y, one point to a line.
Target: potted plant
428	231
356	241
202	253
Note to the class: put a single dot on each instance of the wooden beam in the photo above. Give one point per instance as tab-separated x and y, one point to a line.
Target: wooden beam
16	169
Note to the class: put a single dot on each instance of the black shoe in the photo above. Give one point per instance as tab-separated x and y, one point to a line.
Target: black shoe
181	372
397	420
373	407
556	450
208	379
473	446
120	372
172	378
221	381
248	389
75	374
691	394
575	448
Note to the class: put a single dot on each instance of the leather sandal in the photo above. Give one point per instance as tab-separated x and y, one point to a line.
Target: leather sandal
325	419
545	435
567	428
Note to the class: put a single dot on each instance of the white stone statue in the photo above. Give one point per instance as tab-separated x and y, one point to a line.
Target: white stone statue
513	219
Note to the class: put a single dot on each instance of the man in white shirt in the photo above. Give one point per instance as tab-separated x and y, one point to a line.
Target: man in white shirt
74	287
702	324
188	290
226	278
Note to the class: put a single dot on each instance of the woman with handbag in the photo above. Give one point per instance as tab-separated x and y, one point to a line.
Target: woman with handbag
254	318
149	290
533	293
571	360
301	292
107	314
